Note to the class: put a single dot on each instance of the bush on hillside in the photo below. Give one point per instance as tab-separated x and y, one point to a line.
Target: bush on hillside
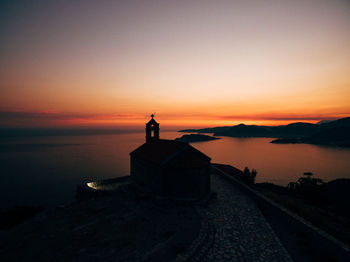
308	187
249	176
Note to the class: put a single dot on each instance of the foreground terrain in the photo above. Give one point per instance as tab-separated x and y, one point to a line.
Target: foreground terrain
125	225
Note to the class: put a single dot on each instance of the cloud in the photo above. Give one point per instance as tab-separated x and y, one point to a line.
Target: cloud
53	118
258	117
279	117
62	116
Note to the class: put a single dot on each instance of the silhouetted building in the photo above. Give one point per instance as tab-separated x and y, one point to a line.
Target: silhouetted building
170	168
152	126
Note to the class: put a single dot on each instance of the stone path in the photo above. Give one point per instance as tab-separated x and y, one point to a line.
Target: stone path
242	233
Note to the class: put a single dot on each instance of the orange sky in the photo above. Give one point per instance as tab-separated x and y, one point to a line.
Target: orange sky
111	63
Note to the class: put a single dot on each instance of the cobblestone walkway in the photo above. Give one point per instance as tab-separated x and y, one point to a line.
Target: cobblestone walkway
242	233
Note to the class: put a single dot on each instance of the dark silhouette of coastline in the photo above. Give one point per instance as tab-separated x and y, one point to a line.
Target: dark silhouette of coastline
242	130
337	136
196	138
336	133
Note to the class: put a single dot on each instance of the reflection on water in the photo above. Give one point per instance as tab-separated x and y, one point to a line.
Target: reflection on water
279	163
46	170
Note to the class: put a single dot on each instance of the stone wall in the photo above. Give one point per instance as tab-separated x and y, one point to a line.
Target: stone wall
174	182
146	175
319	241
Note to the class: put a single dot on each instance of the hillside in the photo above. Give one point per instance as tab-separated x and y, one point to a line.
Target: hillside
292	130
195	138
335	132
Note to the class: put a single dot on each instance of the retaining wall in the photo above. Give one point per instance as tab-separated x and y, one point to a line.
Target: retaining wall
327	247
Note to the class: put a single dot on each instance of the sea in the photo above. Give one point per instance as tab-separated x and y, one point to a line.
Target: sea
44	171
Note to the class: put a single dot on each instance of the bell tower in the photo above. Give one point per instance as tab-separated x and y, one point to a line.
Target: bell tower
152	130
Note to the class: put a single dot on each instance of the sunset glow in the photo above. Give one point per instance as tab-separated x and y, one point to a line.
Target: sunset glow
85	63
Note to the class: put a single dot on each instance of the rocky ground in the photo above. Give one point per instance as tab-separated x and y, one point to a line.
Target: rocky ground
120	227
130	226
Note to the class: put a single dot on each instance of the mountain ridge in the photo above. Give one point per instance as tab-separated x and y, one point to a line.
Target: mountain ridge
336	132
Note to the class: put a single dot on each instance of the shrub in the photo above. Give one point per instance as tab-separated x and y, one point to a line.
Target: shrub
308	187
249	176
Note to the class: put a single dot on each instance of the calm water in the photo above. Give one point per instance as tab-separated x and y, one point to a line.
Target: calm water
45	170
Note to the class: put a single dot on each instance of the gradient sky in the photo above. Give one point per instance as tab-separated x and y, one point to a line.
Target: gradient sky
195	63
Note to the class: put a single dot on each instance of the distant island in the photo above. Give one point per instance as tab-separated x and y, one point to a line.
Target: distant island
196	138
335	133
338	136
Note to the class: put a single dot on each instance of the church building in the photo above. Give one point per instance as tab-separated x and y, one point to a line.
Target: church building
170	168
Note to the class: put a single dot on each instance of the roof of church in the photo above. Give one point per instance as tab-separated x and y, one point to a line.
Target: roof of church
152	122
189	161
164	151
